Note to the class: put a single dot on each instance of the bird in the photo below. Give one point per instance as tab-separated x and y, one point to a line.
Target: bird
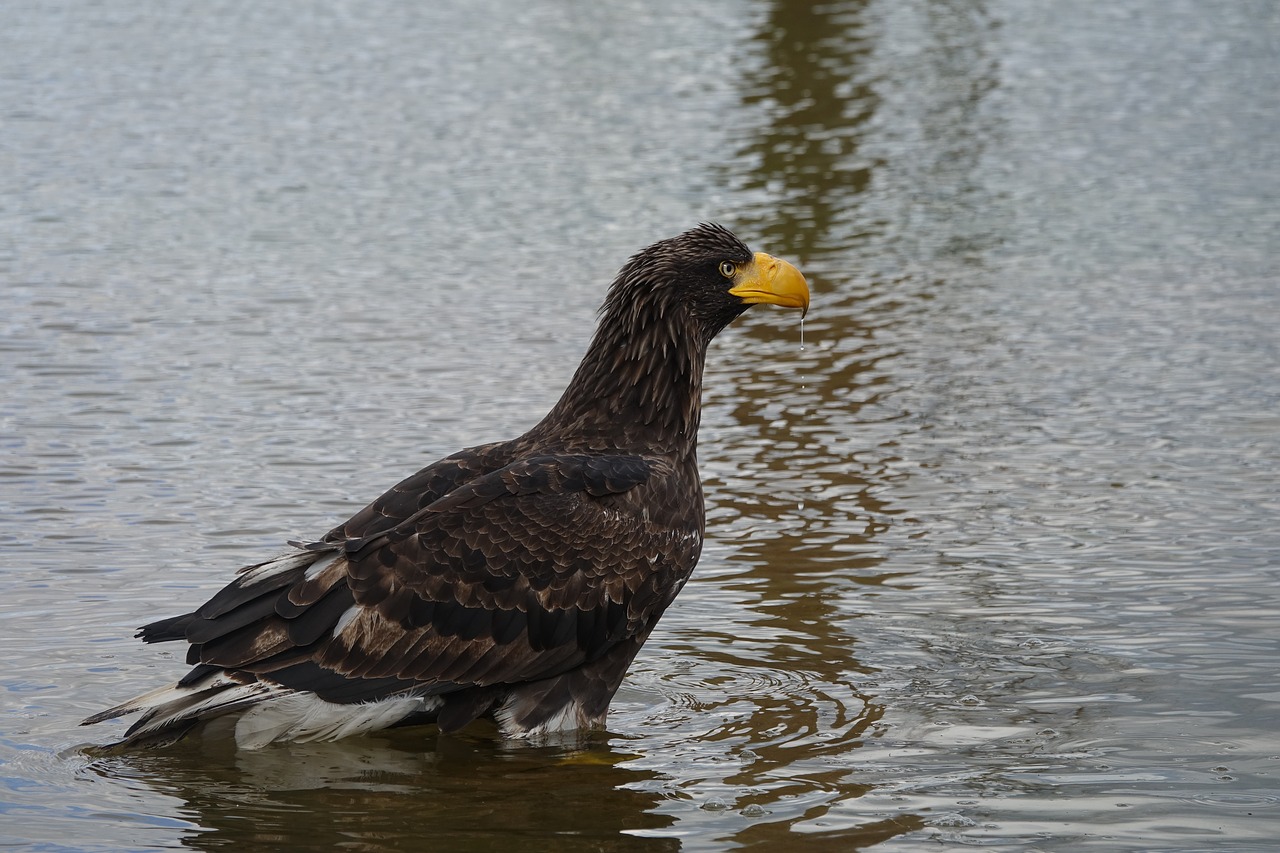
514	580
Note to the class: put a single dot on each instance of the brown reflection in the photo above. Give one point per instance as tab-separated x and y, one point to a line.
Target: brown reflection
802	172
806	169
803	155
806	490
771	837
792	504
406	791
809	475
838	81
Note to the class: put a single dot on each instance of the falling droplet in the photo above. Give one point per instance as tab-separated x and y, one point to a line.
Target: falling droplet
801	334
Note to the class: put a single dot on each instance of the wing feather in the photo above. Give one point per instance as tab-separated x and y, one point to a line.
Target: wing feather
517	574
511	578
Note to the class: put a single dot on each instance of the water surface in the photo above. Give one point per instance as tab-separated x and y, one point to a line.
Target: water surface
992	559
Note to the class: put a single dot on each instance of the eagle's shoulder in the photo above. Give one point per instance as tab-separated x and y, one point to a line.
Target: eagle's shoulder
416	491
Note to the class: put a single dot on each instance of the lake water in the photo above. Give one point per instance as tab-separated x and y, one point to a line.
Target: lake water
993	558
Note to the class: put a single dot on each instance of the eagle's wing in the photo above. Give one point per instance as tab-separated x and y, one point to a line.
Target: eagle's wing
417	491
517	576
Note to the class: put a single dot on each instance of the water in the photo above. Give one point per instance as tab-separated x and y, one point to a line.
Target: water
992	560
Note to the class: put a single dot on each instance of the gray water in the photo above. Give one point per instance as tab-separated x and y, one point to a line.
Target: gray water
992	560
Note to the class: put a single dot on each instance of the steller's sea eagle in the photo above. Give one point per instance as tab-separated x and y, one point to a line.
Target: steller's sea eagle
516	579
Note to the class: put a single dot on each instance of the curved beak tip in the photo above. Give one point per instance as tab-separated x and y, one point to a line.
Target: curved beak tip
774	281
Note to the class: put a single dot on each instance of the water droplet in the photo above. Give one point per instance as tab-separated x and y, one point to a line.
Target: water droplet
801	334
953	820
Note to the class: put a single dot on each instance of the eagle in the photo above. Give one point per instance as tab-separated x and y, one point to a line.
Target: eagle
515	580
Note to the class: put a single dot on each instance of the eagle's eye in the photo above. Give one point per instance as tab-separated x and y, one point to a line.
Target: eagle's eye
728	269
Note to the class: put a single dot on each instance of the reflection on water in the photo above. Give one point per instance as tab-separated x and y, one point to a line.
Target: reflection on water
397	792
389	793
810	96
992	560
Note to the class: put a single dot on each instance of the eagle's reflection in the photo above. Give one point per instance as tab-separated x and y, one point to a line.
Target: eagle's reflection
405	790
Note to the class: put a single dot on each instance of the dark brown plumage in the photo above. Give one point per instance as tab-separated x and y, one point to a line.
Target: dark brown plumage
515	579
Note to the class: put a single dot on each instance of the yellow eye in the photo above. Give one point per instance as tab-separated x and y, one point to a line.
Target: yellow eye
728	269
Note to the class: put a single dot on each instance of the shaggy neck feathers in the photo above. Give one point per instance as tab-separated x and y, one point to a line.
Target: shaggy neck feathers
639	387
641	378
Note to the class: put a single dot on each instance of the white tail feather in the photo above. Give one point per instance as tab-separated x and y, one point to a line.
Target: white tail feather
306	717
320	565
269	712
170	694
284	563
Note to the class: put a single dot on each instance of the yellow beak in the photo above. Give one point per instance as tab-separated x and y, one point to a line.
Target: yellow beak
769	279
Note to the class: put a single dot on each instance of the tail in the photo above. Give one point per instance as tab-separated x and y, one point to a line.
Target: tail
256	633
268	712
209	690
170	712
